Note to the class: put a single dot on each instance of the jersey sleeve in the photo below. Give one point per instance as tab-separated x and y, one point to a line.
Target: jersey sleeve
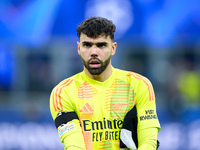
60	101
69	131
147	139
145	104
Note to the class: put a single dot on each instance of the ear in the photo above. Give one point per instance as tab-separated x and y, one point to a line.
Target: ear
78	46
114	47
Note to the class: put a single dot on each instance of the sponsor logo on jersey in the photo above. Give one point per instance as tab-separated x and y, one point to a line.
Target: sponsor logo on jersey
104	130
150	114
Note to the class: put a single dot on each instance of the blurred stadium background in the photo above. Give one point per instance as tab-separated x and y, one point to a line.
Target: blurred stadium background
156	38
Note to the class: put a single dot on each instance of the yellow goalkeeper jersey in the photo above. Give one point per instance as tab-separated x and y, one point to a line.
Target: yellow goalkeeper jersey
102	106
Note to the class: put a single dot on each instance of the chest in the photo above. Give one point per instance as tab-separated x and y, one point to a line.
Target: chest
99	103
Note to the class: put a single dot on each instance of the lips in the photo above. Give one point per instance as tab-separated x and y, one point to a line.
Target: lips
94	63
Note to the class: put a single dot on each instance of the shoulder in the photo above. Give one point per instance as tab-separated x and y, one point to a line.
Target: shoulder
131	75
133	78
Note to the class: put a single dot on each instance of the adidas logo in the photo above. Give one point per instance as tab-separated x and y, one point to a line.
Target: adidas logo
87	109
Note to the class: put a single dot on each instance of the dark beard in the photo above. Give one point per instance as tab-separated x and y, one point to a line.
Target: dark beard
96	71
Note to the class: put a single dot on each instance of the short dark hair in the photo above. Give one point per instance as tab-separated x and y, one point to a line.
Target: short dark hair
96	26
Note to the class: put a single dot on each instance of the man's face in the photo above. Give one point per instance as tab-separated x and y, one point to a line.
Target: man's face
96	53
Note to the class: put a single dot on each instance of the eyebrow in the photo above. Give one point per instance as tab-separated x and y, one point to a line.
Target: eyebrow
85	42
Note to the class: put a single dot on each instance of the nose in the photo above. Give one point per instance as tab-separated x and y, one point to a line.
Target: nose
94	51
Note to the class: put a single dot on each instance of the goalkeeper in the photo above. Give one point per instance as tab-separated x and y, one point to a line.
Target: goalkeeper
103	107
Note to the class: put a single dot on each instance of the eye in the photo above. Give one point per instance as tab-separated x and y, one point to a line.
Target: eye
87	44
101	45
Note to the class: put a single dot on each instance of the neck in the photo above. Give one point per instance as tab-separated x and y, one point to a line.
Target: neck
103	76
